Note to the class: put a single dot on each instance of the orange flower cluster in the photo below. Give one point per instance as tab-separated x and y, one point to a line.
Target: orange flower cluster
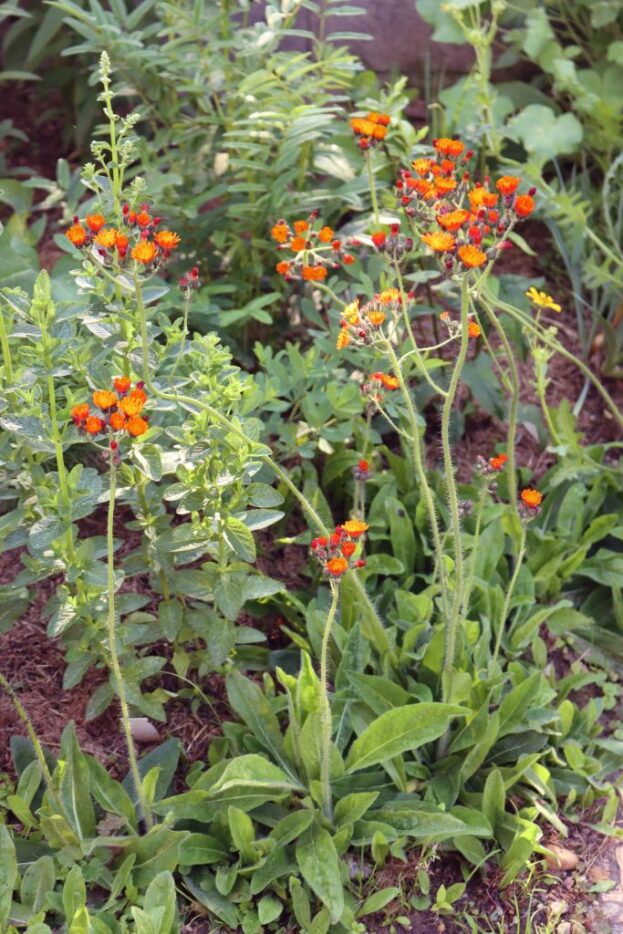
362	325
530	502
492	465
468	222
119	410
371	129
316	251
375	387
336	551
113	244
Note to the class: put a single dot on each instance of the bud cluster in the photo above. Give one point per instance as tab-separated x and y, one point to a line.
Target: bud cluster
336	552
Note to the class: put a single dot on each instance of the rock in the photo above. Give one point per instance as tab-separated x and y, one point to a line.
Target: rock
560	858
557	908
563	928
143	731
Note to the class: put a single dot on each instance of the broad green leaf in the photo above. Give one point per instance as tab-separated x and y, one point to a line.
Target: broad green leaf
38	879
200	849
400	730
320	867
75	784
378	900
8	875
160	897
494	796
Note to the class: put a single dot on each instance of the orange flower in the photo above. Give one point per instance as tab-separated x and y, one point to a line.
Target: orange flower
104	399
300	226
343	339
348	549
167	240
444	186
337	566
507	185
379	118
444	316
314	273
453	220
80	412
355	527
131	405
473	329
524	205
531	498
283	268
139	393
376	318
94	424
389	382
497	463
297	244
144	252
76	234
449	147
379	132
325	235
117	421
471	256
136	426
122	243
143	219
280	232
422	166
122	383
387	296
107	237
480	197
439	241
95	222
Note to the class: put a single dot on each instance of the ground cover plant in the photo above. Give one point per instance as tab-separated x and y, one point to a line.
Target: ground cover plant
437	684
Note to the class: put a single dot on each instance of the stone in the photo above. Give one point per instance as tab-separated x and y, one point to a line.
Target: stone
560	858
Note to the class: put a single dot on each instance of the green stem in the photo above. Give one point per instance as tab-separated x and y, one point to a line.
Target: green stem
372	184
114	657
453	500
411	336
472	564
371	624
6	350
418	464
540	375
550	341
513	410
325	711
60	466
23	715
509	594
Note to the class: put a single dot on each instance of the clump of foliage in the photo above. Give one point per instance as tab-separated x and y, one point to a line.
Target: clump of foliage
416	703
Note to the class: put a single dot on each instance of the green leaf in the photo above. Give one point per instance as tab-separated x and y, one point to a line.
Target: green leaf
252	706
74	785
240	539
74	893
8	875
268	909
165	757
320	867
109	794
400	730
494	796
160	902
545	135
38	879
199	849
350	808
242	833
378	901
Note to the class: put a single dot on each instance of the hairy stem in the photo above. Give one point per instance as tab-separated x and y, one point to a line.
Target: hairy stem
372	184
114	657
6	350
453	500
325	712
513	410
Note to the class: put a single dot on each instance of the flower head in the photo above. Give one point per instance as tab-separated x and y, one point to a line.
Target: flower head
104	399
498	461
473	329
107	237
471	256
542	300
314	273
95	222
167	240
453	220
336	566
280	232
76	234
355	527
531	498
132	404
80	413
94	424
122	384
449	147
136	426
439	240
144	252
507	185
524	205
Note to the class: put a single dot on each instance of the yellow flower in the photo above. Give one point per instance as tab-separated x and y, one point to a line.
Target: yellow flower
439	241
144	252
387	296
354	527
106	237
542	300
343	339
376	318
351	312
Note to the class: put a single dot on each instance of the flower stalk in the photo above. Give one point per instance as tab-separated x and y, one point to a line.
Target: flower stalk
325	707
